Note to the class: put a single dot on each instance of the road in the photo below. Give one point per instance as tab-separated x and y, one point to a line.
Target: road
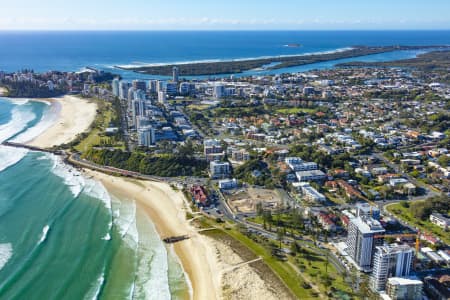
397	170
76	160
258	229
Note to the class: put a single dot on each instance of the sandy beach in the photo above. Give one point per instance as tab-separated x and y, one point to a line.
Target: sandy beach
167	210
73	116
2	91
243	282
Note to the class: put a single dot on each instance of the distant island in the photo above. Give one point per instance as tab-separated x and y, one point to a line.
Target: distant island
293	45
239	66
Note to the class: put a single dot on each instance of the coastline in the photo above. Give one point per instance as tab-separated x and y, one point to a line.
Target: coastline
202	61
238	66
3	91
166	208
70	116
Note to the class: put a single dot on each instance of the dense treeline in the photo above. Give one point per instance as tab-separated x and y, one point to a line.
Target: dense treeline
309	153
98	77
428	61
165	166
255	172
26	89
239	66
423	209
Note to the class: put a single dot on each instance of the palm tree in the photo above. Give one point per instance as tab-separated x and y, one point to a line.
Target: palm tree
280	235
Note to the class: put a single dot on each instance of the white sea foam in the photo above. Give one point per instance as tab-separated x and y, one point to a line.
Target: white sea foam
48	119
21	115
152	280
94	292
18	101
44	234
132	289
95	189
125	219
72	178
10	156
107	237
78	183
6	251
185	276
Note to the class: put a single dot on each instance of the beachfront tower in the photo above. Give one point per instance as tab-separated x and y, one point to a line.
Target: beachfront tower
363	236
218	90
115	87
162	97
175	74
390	261
139	85
146	136
123	90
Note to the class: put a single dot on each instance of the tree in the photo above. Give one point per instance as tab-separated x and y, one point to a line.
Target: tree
444	161
295	248
404	204
259	209
267	218
280	235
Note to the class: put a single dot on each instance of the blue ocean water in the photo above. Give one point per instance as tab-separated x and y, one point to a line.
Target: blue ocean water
62	236
72	51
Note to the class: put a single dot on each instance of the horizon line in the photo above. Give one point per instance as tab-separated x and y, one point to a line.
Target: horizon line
214	30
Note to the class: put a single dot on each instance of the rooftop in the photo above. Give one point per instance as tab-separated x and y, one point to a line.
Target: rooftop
403	281
368	225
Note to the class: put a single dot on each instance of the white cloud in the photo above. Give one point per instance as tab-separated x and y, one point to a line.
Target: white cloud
205	23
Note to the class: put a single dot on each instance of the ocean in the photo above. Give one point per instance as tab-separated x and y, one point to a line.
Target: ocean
62	236
73	51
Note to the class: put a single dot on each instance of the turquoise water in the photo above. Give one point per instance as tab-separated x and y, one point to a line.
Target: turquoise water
62	236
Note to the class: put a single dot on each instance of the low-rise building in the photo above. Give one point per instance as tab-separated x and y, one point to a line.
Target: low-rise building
404	289
365	209
311	193
440	220
228	184
313	175
213	150
326	220
240	155
219	170
199	194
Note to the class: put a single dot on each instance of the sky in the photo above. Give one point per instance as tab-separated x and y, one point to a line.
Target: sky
224	14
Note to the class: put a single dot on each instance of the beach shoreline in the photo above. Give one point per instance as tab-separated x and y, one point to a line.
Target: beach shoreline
238	66
3	91
166	209
70	116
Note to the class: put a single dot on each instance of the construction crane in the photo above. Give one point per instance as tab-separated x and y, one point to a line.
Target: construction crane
397	235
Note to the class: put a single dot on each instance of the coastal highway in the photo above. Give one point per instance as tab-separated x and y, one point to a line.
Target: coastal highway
75	160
